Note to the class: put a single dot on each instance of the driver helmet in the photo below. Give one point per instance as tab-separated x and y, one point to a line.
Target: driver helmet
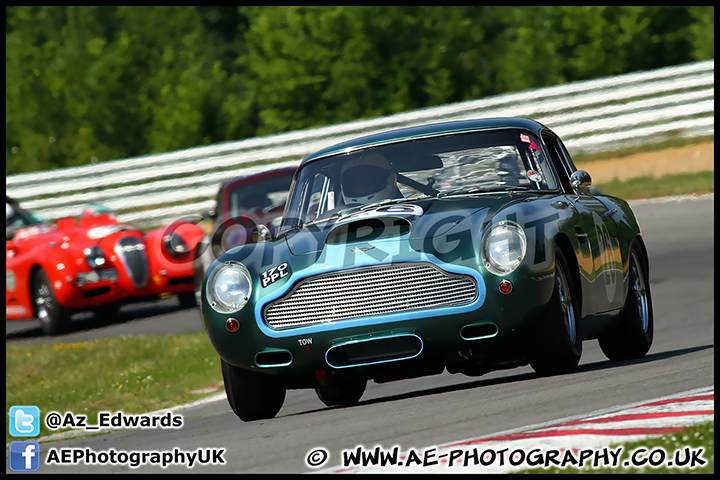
366	179
95	209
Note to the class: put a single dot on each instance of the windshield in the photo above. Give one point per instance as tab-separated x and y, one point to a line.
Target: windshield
457	164
264	195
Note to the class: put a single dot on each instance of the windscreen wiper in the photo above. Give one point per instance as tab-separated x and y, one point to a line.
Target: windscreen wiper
312	222
391	201
474	190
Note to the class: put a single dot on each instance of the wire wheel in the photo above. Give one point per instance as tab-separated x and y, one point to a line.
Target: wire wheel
632	334
556	342
54	319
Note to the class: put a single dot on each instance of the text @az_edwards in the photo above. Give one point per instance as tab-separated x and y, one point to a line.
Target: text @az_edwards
55	420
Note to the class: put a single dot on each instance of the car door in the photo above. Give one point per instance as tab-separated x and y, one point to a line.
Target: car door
596	229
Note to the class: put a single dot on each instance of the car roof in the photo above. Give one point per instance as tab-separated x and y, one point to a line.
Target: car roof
402	134
257	176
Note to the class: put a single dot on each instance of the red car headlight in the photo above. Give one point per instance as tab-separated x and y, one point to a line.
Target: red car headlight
94	257
175	244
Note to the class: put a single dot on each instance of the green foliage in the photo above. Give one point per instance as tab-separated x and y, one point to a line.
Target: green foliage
702	32
88	84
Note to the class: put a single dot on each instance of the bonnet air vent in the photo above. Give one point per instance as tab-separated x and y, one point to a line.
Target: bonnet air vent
368	229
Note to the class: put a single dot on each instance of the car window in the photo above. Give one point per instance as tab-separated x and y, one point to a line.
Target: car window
467	163
256	196
559	159
488	168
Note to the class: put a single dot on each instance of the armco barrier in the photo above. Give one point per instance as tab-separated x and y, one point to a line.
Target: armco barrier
593	115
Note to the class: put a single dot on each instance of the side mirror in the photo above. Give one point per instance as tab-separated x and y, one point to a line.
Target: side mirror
208	214
261	233
580	181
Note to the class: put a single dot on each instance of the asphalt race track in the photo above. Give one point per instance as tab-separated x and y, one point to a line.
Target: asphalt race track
445	408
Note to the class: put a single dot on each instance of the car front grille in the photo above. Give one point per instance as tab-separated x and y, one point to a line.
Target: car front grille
132	254
369	291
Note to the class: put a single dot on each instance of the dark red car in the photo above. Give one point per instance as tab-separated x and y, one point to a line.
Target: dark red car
241	205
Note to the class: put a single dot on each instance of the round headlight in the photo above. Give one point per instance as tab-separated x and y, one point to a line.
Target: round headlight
94	257
503	247
175	244
229	287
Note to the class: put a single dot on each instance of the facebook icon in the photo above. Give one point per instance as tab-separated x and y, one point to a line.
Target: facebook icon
24	456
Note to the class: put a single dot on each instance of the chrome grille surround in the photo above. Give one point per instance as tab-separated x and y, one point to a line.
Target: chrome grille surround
368	291
132	254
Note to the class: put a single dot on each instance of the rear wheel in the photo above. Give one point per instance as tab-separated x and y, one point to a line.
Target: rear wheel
252	396
342	394
557	341
632	336
54	318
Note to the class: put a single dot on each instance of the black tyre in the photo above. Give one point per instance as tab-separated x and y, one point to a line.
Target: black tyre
341	394
252	396
199	271
54	318
632	336
187	300
557	340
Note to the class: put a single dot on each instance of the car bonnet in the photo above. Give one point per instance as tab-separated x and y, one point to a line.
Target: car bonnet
411	220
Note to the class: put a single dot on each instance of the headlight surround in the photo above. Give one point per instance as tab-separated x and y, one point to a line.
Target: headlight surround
229	287
94	257
175	244
504	247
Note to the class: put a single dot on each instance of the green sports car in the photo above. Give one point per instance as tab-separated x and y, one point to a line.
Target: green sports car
466	246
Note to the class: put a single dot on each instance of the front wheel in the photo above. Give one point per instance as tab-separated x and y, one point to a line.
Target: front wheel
557	340
632	336
54	318
187	300
252	396
341	394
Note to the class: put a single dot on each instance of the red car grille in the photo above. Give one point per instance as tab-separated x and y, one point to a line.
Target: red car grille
132	254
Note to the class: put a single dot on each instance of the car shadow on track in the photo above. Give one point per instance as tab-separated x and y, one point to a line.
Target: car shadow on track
603	365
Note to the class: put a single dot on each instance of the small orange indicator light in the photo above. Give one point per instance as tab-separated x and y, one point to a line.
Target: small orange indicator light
232	325
506	286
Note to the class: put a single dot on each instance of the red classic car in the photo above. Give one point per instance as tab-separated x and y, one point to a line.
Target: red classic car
94	263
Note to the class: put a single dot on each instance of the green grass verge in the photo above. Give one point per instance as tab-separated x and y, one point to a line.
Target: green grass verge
667	185
133	374
672	447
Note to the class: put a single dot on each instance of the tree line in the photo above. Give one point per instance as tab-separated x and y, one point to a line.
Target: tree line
87	84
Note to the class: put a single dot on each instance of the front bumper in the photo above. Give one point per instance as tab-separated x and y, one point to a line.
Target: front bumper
406	343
